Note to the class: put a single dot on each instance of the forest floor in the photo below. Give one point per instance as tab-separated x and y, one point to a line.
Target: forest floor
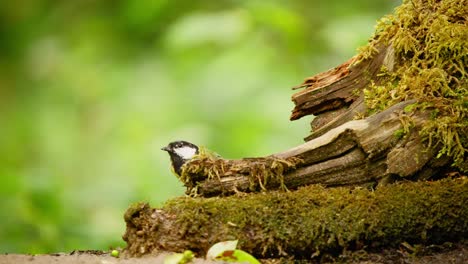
448	253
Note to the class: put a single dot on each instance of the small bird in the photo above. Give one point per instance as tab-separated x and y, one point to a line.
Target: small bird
180	152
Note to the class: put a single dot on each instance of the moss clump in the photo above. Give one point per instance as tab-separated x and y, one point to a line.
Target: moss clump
429	42
308	222
261	172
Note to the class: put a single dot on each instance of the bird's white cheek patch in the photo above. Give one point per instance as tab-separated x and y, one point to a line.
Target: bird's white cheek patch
185	152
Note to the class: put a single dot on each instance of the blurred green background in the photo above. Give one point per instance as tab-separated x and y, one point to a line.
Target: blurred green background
91	90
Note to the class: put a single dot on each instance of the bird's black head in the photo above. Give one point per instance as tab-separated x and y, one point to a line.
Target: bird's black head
180	152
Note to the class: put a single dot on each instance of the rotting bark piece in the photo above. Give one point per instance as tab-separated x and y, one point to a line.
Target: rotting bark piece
335	96
409	157
310	221
329	120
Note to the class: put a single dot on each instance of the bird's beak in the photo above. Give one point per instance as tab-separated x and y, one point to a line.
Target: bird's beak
165	149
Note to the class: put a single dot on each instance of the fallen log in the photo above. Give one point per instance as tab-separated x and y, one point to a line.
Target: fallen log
305	223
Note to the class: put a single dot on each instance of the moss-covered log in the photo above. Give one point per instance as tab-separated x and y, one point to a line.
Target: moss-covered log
307	222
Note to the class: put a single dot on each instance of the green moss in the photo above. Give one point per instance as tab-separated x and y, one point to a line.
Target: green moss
429	43
134	209
399	133
312	220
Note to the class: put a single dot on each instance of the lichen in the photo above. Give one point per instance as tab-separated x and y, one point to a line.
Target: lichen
261	172
429	42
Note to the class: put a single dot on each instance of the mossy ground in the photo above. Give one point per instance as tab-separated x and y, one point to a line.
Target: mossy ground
430	57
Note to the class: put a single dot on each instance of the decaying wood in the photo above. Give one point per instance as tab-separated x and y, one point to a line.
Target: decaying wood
335	96
359	152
